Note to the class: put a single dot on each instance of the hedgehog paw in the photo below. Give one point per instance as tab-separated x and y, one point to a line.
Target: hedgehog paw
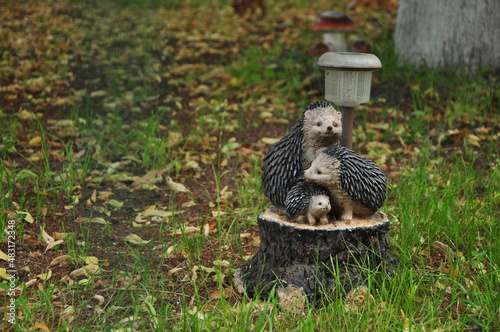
301	219
312	220
346	215
323	220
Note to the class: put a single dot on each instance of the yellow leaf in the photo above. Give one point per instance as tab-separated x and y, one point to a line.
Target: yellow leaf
136	239
3	256
270	140
45	276
27	216
35	141
87	270
3	274
91	260
41	326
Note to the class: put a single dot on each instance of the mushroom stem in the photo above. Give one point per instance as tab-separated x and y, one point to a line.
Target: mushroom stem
335	41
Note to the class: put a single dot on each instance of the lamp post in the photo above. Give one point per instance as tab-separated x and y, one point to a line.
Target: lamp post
348	79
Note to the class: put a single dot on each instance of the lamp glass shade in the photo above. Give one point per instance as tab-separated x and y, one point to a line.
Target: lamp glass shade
348	87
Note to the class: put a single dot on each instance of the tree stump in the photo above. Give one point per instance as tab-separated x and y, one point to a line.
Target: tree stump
319	260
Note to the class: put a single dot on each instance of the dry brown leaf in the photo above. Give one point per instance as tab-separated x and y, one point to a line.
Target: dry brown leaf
136	239
226	293
145	179
100	221
46	237
175	186
61	260
41	326
188	230
99	298
104	195
53	244
443	249
86	270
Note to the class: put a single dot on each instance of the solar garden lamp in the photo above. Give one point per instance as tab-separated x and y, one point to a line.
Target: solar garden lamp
348	79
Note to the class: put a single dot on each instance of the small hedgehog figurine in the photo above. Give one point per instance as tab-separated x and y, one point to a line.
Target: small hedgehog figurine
318	127
357	185
308	201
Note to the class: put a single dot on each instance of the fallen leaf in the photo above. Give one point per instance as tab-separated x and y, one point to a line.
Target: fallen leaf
35	141
68	312
99	298
136	239
154	213
45	276
186	230
91	260
100	221
148	177
4	274
175	186
3	256
47	238
26	216
87	270
42	327
443	249
31	282
93	197
269	140
62	260
53	244
226	293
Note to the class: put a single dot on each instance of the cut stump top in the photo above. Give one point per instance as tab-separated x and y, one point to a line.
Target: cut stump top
378	219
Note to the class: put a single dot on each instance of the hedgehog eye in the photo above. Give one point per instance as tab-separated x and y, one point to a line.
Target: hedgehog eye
318	124
320	204
335	124
318	172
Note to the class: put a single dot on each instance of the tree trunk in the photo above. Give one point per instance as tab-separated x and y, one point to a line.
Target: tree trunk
316	259
458	35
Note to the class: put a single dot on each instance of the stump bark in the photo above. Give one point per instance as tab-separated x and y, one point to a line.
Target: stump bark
317	259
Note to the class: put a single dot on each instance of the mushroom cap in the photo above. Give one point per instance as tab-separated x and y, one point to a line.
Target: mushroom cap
349	60
361	46
332	21
318	49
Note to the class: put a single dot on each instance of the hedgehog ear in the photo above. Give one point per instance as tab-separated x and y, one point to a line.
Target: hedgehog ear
308	114
339	114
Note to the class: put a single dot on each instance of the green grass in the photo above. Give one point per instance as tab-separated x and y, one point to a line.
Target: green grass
445	191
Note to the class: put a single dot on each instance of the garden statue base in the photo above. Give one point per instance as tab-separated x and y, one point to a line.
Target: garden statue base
315	260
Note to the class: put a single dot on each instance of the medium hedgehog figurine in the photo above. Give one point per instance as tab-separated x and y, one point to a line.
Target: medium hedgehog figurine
357	185
308	201
318	127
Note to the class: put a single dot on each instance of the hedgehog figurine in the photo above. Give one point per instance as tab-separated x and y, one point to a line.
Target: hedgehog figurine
308	201
318	127
357	185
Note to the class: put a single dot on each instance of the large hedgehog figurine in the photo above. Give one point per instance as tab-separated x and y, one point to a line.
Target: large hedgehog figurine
318	127
357	185
308	201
